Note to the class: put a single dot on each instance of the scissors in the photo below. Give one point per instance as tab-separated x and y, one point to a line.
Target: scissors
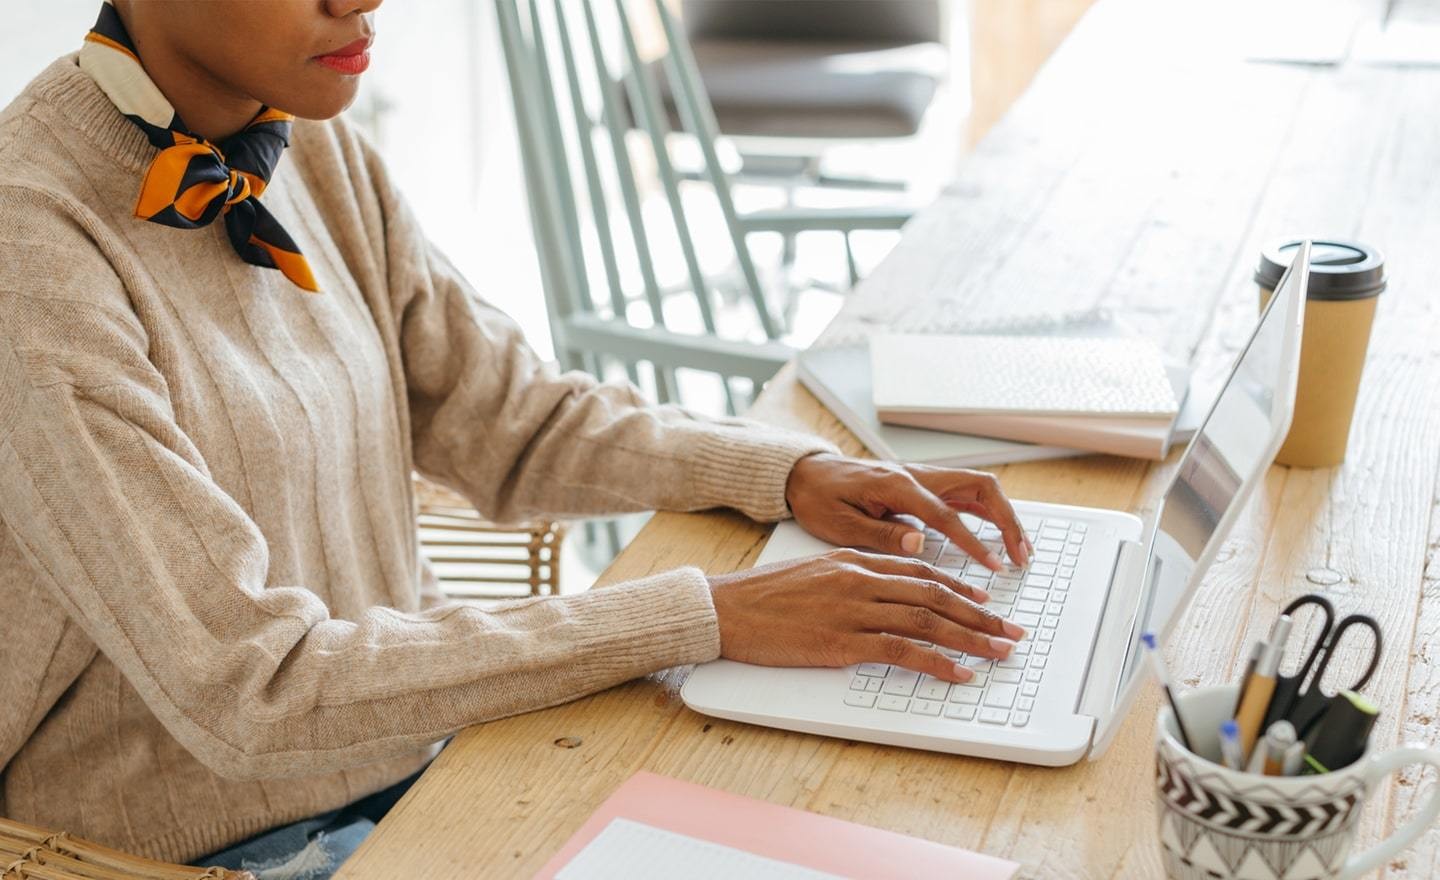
1298	698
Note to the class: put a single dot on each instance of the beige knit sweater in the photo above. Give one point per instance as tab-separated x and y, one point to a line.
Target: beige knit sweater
215	616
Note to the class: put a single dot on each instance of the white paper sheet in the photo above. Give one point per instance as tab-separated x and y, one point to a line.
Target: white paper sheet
628	850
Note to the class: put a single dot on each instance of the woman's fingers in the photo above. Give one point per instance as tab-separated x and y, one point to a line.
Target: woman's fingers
900	651
919	622
912	498
937	600
982	490
903	566
914	601
856	529
851	607
910	598
863	525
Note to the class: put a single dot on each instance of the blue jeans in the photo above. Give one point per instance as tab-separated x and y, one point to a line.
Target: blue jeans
311	849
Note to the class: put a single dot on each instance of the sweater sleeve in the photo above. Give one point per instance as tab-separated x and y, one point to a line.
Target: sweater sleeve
495	423
112	504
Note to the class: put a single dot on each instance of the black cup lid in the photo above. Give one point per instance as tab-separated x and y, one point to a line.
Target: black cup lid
1339	269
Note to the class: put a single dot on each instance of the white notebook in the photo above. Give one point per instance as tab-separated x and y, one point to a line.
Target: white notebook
1021	375
840	379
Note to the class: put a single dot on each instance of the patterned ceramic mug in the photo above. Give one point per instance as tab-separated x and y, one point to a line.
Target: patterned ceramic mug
1218	823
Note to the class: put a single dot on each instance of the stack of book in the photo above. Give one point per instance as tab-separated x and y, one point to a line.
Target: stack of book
1020	394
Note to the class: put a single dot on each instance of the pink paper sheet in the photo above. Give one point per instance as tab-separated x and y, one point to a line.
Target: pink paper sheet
782	833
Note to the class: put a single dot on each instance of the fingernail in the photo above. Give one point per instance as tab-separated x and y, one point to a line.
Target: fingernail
913	542
992	562
1003	647
1029	548
1013	630
1024	554
963	673
979	594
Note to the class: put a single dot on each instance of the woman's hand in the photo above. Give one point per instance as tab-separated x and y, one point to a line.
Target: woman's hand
847	607
847	501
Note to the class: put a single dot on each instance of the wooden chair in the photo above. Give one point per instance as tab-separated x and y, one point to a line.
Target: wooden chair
579	86
476	559
30	853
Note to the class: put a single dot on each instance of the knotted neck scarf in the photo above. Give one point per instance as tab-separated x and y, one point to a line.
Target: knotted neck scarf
192	181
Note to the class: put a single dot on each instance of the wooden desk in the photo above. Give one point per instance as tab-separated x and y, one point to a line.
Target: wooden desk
1143	171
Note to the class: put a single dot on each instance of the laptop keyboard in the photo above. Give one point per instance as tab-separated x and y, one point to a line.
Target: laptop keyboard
1002	692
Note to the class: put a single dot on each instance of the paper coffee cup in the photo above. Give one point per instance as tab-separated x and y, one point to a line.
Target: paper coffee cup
1346	278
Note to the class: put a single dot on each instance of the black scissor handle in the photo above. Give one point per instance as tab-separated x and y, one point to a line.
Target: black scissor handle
1327	611
1333	643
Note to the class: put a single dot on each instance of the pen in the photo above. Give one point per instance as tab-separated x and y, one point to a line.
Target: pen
1343	733
1262	685
1164	677
1255	651
1230	745
1277	744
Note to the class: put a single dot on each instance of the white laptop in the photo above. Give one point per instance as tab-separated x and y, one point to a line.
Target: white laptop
1100	578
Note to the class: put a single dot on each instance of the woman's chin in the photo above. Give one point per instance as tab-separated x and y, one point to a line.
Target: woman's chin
332	94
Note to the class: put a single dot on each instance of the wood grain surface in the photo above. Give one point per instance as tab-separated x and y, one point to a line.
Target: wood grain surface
1142	171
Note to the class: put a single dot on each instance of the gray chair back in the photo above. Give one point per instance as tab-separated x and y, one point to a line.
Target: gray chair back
869	21
576	74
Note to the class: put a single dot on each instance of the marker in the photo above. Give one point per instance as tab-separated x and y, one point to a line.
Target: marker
1164	677
1294	759
1343	734
1277	743
1230	745
1262	685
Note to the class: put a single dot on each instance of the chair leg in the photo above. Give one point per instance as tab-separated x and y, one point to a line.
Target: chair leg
787	249
555	550
744	398
850	260
667	386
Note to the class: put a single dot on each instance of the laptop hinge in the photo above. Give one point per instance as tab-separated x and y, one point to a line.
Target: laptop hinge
1097	697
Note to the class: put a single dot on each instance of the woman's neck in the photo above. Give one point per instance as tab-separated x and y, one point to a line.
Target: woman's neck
210	108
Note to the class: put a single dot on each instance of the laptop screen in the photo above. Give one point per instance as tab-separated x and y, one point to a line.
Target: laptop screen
1233	445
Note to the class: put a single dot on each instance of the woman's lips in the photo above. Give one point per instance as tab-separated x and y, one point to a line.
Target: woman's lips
351	59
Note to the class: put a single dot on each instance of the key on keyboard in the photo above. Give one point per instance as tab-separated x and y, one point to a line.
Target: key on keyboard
932	689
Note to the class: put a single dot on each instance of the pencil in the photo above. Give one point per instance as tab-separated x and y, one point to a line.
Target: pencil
1251	713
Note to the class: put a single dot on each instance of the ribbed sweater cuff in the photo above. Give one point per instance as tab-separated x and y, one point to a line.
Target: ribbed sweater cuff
665	620
746	465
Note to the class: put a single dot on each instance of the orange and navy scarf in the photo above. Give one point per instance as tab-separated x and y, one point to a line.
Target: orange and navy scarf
192	181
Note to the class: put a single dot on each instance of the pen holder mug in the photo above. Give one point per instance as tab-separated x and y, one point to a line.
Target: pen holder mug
1219	823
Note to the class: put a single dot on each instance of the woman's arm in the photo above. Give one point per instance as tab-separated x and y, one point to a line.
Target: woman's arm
492	421
114	507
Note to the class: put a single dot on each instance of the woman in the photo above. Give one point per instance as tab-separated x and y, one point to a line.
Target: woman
217	625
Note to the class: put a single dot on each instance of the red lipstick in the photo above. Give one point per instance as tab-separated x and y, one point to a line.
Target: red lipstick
351	59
